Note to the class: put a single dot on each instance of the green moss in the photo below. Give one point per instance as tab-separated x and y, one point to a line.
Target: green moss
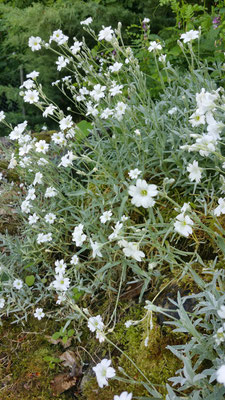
24	375
154	360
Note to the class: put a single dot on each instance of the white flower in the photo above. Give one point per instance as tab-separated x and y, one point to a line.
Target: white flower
124	218
205	101
191	35
106	113
115	67
96	249
220	374
219	336
133	173
2	302
26	206
43	238
28	84
61	283
106	216
67	160
13	162
31	96
32	219
214	127
50	192
61	298
131	249
39	314
74	260
31	194
172	111
76	47
95	323
145	21
38	178
42	146
87	21
34	43
66	122
62	62
183	225
115	89
91	110
17	131
50	218
60	267
197	119
58	36
154	46
106	34
220	209
98	92
124	395
103	372
128	324
33	75
120	110
59	138
221	312
2	116
142	194
100	336
49	110
162	58
185	207
18	284
116	231
78	236
195	171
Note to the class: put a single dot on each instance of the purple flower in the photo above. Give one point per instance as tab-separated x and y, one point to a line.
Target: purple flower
216	22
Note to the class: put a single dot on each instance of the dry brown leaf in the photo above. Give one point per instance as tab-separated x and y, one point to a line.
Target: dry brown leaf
62	382
68	358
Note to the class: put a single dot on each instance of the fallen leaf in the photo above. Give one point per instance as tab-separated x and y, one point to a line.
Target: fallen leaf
62	382
68	358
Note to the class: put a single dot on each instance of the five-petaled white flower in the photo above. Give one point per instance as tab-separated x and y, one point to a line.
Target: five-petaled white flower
31	96
195	171
191	35
131	249
95	323
50	192
106	34
103	372
96	249
142	194
154	46
18	284
183	225
34	43
50	218
133	173
39	314
106	216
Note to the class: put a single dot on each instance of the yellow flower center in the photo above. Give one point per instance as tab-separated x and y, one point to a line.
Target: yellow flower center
144	192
